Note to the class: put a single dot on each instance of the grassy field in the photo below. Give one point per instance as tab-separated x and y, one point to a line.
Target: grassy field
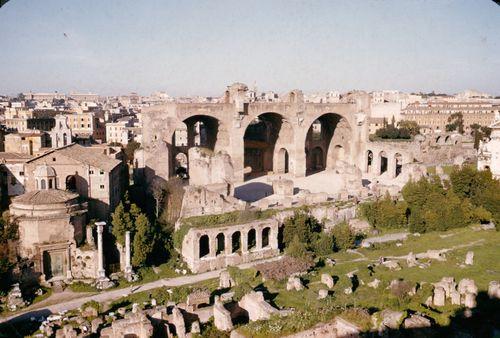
486	247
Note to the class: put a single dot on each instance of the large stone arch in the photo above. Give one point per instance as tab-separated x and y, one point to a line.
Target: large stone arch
332	133
264	138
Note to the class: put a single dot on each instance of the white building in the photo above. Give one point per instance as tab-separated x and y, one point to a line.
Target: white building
119	131
489	152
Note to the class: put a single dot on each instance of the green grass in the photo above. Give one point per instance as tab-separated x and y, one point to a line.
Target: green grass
82	287
447	169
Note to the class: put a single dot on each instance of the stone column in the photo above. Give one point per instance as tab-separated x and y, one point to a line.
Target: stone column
228	241
100	253
244	241
258	238
212	243
391	166
128	266
376	164
273	238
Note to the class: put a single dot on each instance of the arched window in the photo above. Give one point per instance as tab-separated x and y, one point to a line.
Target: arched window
50	184
43	184
251	239
265	237
236	241
220	244
204	246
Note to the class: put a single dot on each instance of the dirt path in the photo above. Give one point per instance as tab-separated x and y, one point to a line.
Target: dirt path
40	310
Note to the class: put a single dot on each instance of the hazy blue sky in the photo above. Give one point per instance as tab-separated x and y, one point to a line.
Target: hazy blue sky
199	47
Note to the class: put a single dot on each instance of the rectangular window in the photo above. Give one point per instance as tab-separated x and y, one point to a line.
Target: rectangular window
101	172
21	173
102	186
91	172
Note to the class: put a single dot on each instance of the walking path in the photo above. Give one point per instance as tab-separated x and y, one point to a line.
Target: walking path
118	293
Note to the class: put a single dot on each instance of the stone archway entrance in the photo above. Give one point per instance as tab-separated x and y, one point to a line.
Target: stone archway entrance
282	161
259	141
327	143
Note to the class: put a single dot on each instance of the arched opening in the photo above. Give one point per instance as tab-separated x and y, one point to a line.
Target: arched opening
181	165
197	131
204	246
446	139
251	241
51	184
71	183
317	161
283	166
65	139
220	244
369	161
398	158
259	143
43	184
235	241
265	237
383	162
327	142
438	139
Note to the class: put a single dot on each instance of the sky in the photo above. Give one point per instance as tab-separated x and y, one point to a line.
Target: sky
199	47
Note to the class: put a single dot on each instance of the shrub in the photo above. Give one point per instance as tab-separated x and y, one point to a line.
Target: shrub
323	245
302	225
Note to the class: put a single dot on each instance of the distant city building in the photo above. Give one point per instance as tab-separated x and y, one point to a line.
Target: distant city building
435	114
489	152
28	142
119	131
61	135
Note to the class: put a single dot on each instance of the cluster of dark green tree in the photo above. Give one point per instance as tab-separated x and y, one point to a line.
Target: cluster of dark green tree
150	240
8	232
303	237
456	123
404	130
429	204
479	132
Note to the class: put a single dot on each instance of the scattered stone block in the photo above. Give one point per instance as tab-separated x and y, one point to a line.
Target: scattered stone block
470	300
222	317
348	291
345	328
374	284
411	260
95	324
257	307
322	294
392	265
178	321
467	285
195	327
391	319
469	258
89	311
15	299
416	322
225	280
294	283
494	289
327	280
439	296
455	297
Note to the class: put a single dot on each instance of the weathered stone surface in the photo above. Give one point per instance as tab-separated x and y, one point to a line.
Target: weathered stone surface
89	311
439	296
469	258
134	324
222	317
470	300
455	297
225	280
438	255
283	187
66	332
392	265
256	306
467	285
15	299
195	327
448	284
95	323
322	294
327	280
411	260
178	321
348	291
374	284
416	322
391	319
494	289
345	328
294	283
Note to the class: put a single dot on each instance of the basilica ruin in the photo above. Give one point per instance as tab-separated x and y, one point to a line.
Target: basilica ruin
246	155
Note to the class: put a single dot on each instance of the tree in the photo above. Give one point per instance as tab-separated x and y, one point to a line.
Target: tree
143	241
456	122
296	248
122	222
344	237
323	245
411	126
129	150
302	225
